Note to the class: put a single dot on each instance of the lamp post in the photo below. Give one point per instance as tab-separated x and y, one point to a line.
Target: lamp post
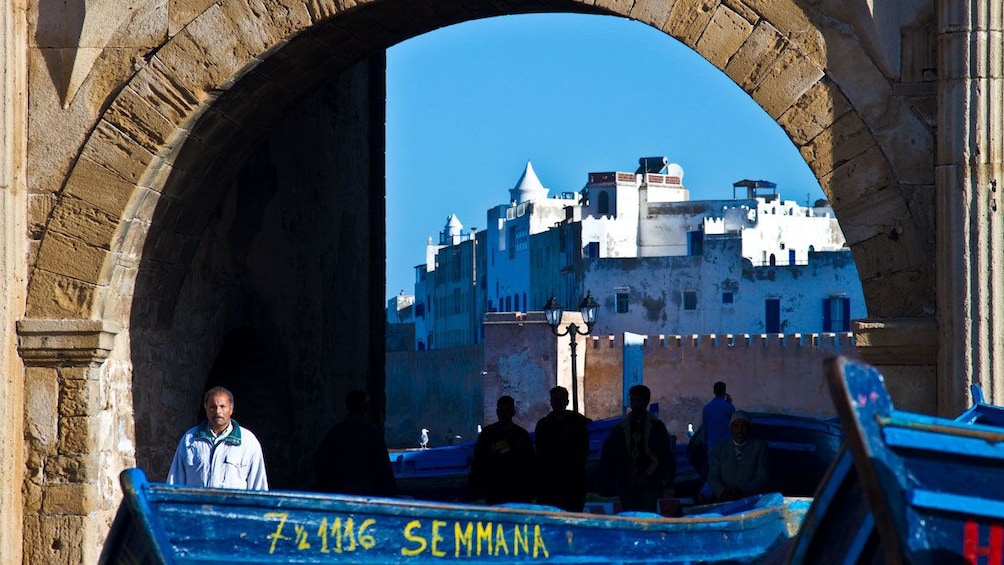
553	312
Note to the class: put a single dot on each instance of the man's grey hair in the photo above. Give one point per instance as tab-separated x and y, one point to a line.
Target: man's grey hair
217	390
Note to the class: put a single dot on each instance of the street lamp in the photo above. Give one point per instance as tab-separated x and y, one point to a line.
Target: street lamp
553	312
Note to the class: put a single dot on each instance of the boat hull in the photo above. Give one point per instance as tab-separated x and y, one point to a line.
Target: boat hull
908	488
168	524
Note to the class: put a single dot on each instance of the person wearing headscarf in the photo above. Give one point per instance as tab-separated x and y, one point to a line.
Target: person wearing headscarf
740	465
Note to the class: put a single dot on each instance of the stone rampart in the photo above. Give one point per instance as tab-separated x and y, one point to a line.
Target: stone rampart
439	389
764	372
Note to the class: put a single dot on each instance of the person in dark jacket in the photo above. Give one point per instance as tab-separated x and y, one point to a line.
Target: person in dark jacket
504	462
353	458
740	465
637	461
562	440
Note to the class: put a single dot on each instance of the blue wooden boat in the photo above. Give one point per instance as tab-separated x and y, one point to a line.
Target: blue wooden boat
165	524
801	450
908	488
440	473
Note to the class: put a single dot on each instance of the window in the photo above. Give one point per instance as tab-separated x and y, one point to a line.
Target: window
592	250
836	314
695	243
603	203
690	300
727	298
622	302
516	303
772	315
791	256
420	310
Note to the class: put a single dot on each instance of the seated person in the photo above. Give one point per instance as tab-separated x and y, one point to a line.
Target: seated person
739	465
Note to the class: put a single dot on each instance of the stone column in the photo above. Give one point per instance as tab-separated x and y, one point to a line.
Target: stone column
13	270
67	508
969	183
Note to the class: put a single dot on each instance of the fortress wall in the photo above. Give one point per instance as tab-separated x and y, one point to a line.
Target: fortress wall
437	389
765	372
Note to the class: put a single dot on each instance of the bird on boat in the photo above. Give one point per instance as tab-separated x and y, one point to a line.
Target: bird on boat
423	440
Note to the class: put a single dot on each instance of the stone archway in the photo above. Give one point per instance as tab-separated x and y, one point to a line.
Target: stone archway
154	168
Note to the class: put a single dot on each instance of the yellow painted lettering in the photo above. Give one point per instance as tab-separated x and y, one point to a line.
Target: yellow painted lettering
465	537
301	537
336	533
366	540
520	538
349	535
500	543
277	534
538	542
485	535
414	524
322	532
436	538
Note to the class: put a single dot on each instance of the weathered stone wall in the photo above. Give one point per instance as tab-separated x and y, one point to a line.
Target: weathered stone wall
524	360
438	389
126	98
775	373
271	287
772	373
13	271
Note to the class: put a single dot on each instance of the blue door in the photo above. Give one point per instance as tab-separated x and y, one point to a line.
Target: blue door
773	315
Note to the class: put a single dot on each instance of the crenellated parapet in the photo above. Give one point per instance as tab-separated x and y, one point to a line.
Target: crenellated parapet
826	341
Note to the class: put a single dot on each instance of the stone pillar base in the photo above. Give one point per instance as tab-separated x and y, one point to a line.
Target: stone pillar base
906	351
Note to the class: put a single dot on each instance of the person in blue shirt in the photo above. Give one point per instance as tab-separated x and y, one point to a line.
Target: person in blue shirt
715	419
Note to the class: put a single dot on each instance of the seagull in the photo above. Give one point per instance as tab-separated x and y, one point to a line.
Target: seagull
423	440
690	430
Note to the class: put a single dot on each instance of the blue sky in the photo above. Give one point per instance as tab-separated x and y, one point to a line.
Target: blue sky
469	105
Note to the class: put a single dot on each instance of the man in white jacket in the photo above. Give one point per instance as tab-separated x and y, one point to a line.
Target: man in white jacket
219	453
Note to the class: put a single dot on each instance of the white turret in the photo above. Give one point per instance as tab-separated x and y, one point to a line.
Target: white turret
528	187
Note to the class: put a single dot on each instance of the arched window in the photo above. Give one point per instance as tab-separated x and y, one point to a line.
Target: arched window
603	203
773	261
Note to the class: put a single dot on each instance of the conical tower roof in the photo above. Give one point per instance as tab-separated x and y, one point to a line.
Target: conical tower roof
453	226
528	187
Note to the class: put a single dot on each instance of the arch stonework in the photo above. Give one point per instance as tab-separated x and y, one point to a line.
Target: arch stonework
138	166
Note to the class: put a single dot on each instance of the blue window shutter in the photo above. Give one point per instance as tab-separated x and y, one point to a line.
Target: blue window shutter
827	321
847	314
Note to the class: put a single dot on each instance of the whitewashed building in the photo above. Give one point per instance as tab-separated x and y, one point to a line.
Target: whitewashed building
657	262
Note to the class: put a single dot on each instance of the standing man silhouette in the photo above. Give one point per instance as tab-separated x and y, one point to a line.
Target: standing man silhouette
562	450
353	458
504	462
715	418
637	461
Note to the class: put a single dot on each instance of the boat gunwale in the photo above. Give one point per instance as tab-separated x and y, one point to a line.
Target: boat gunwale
296	500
